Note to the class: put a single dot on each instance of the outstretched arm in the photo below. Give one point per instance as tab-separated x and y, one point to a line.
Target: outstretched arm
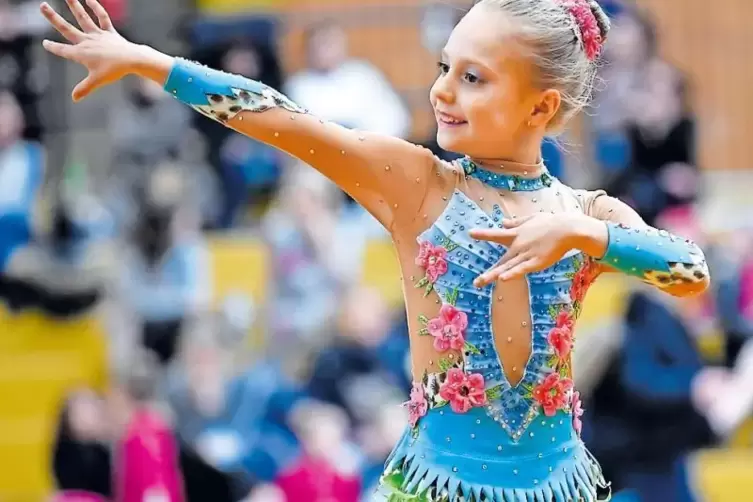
386	175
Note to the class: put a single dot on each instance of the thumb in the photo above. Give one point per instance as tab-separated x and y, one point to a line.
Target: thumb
84	88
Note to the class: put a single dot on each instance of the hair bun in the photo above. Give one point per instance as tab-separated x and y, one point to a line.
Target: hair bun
602	19
591	24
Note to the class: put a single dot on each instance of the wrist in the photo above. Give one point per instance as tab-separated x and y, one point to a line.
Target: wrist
150	63
589	235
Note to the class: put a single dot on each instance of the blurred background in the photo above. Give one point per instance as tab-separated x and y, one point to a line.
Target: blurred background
163	274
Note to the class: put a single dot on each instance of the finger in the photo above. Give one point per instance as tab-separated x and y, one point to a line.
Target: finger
500	268
519	270
103	18
84	88
69	32
498	235
63	50
83	18
510	260
516	222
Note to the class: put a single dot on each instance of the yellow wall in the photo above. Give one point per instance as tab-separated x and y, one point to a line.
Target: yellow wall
40	361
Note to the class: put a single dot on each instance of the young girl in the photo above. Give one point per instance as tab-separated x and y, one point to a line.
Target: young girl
496	254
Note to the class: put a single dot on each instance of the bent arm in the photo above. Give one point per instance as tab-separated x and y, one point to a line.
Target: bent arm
388	176
670	263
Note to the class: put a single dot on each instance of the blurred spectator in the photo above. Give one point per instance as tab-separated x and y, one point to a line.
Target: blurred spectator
350	92
376	440
329	470
57	267
147	128
81	456
632	44
732	266
21	177
21	72
240	425
146	465
353	373
246	168
644	130
309	266
166	274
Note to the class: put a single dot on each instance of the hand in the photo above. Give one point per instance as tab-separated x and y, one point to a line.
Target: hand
708	385
107	56
535	243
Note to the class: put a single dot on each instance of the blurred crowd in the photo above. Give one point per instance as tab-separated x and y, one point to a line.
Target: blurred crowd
312	413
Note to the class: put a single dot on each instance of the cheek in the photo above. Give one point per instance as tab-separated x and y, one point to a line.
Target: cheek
505	113
488	116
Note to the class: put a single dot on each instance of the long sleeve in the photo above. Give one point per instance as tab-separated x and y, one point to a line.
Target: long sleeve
388	176
672	264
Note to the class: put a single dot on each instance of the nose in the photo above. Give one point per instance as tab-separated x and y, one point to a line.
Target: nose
442	90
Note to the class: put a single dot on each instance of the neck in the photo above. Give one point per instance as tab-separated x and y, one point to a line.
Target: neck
531	168
525	160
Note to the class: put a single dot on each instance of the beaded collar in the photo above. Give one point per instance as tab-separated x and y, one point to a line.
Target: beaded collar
511	182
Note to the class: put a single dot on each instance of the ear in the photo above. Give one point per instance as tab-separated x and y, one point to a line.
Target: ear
546	108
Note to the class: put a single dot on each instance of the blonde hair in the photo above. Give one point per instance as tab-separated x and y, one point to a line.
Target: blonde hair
553	34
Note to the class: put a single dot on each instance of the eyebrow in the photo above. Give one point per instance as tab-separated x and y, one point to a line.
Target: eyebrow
445	55
465	61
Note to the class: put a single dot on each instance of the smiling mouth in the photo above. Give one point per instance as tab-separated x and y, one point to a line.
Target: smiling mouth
446	120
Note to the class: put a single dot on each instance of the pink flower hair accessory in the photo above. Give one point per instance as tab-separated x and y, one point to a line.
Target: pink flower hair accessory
589	30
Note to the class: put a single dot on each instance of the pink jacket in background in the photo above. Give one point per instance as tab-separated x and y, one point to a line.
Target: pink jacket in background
147	466
317	481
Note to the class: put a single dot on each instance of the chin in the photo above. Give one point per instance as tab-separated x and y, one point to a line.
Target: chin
449	142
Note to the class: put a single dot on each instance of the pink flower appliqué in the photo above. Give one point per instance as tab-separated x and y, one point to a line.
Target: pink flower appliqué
463	391
564	320
561	340
582	281
417	406
577	408
433	259
552	393
448	328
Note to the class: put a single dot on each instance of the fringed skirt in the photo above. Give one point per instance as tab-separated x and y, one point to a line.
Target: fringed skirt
469	457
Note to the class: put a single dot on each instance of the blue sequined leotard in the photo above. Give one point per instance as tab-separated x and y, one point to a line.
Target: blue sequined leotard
493	415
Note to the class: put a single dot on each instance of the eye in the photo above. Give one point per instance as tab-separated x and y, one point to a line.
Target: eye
443	68
471	78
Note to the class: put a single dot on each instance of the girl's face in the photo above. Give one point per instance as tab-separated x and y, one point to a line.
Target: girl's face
484	97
